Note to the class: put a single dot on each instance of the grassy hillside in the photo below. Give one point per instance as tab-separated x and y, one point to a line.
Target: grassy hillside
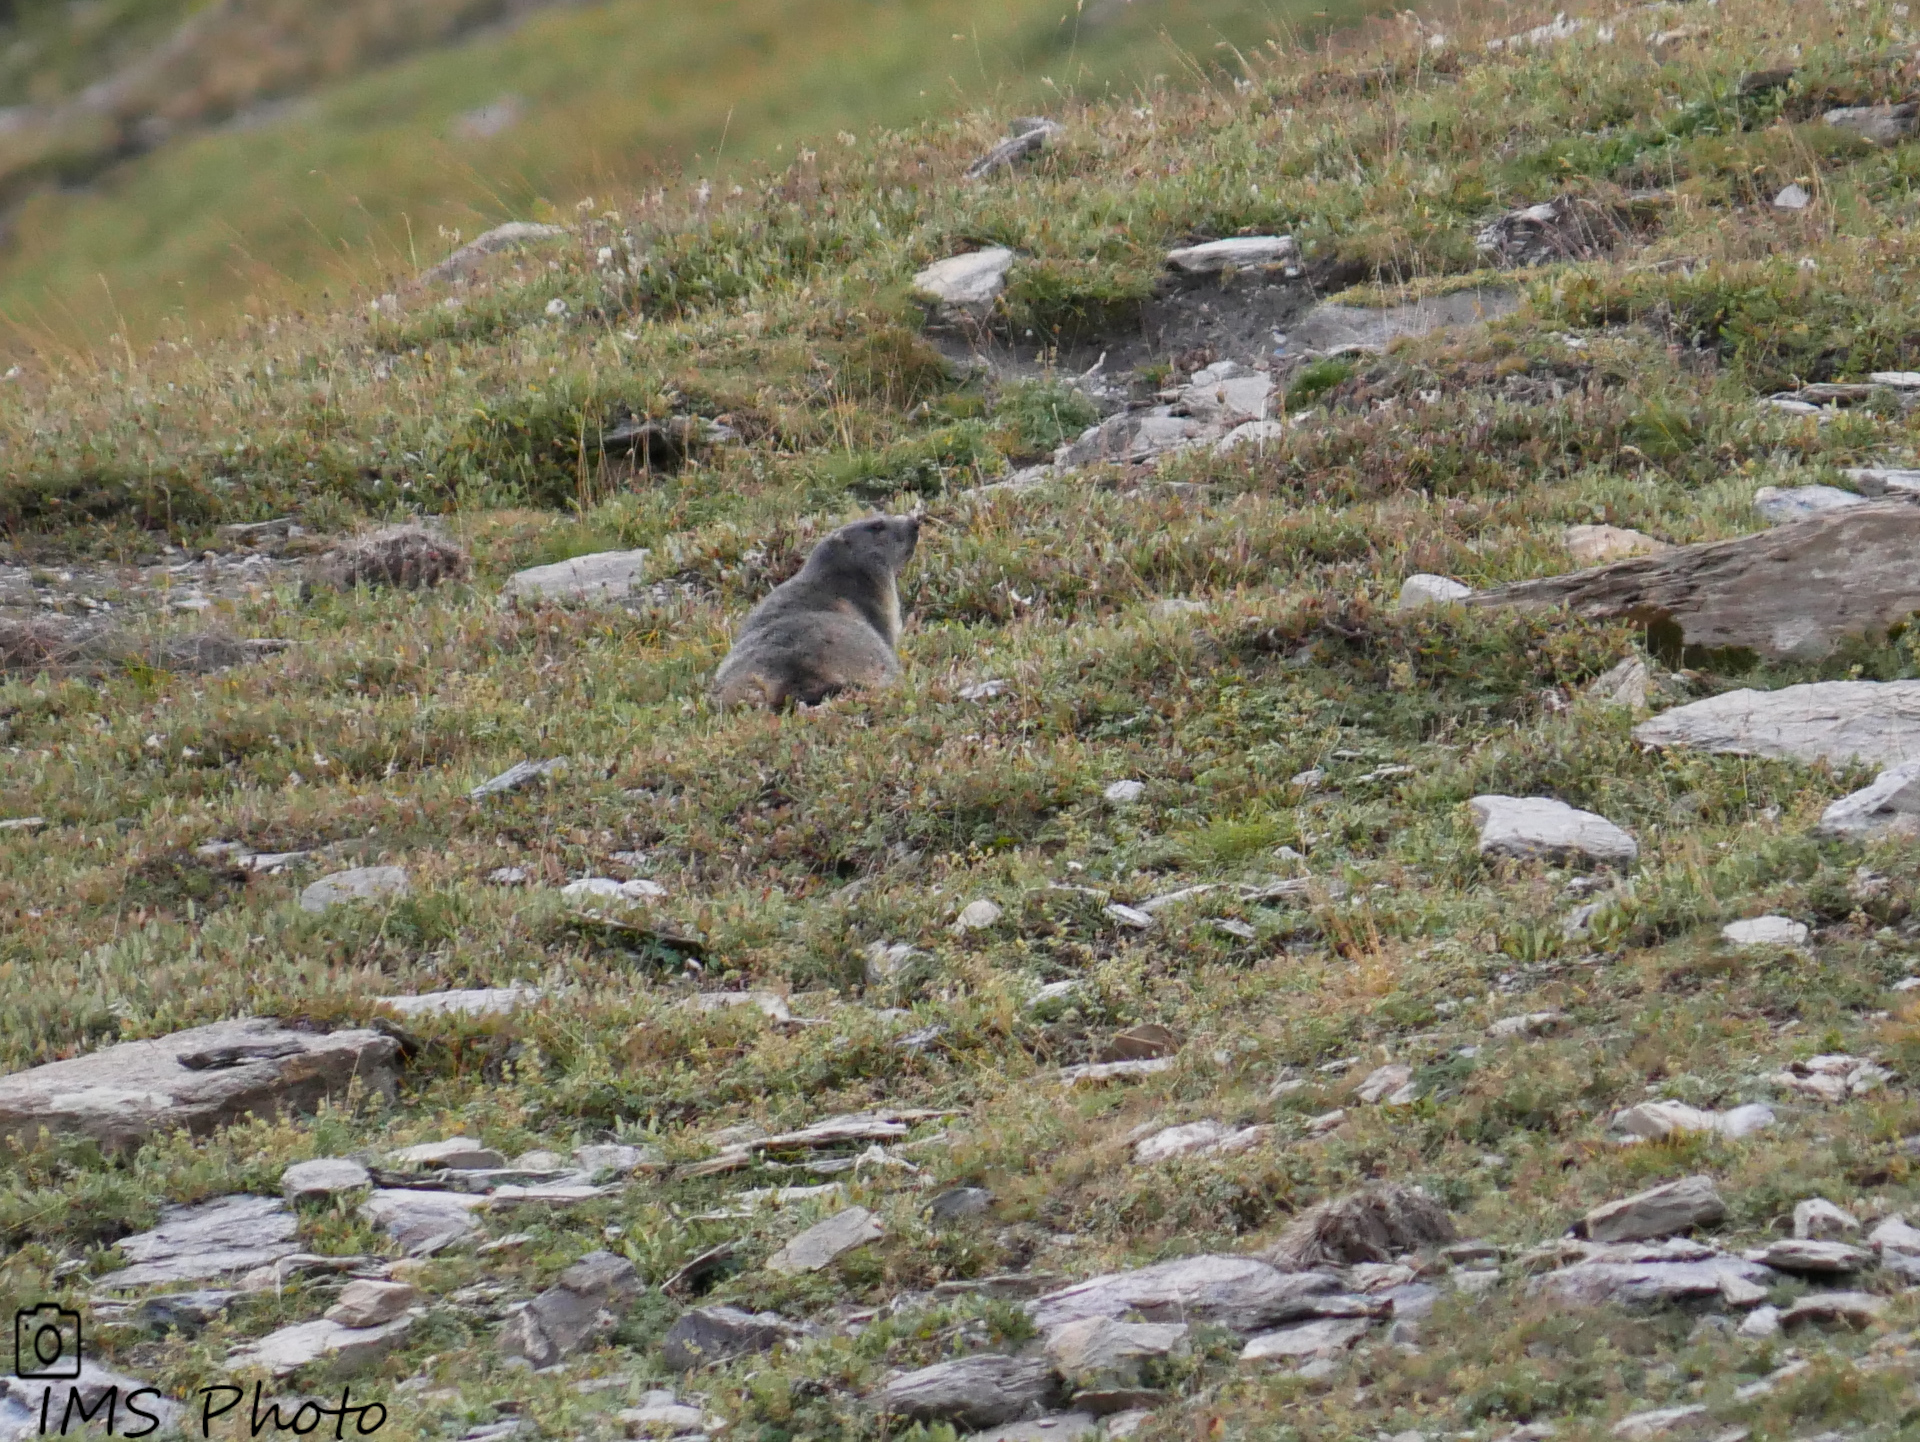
332	159
1220	629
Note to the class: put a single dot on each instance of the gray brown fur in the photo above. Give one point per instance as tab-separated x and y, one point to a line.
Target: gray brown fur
1375	1225
833	626
409	557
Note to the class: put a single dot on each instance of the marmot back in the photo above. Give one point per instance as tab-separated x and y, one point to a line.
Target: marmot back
831	627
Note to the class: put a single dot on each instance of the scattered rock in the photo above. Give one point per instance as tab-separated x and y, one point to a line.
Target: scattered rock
584	1305
976	916
706	1336
1533	1023
1538	828
1884	480
1874	722
1644	1426
421	1223
23	1400
1658	1212
1027	136
323	1178
1146	1042
1793	197
364	1303
614	1160
1125	793
971	1392
209	1239
1890	806
1796	591
598	578
1206	1139
362	883
475	1001
1329	327
967	284
183	1312
1321	1338
1239	1293
1648	1283
511	236
123	1094
1421	591
1877	124
1856	1309
1376	1224
1796	1254
456	1154
1558	29
1242	252
1596	545
661	1414
1765	931
520	774
1761	1322
1629	684
1101	1350
1386	1084
1055	1427
343	1350
607	888
1833	1078
1819	1220
1568	227
409	558
1114	1070
1783	505
1653	1121
1895	1235
823	1243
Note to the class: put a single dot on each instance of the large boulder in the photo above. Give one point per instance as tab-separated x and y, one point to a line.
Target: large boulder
1539	828
199	1079
1240	1293
1657	1212
1839	722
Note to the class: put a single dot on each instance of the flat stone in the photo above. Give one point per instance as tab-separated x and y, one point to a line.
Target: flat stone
1895	1235
1102	1350
1242	252
1795	1254
1225	395
1761	1322
1538	828
662	1419
1239	1293
1132	438
1124	793
455	1154
123	1094
977	916
598	578
1642	1426
1383	1082
1890	806
1871	722
1783	505
343	1351
972	1392
1629	684
1877	124
706	1336
1654	1121
366	1303
362	883
1658	1212
583	1306
1884	480
1793	197
1321	1338
1054	1427
423	1222
824	1242
1421	591
1257	434
23	1398
1532	1023
1596	545
612	1159
521	773
1647	1284
323	1178
1856	1309
473	1001
1765	931
1818	1219
1207	1139
971	282
209	1239
1115	1070
1331	327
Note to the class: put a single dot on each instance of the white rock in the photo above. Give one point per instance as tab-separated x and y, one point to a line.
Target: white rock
1597	545
1230	396
1873	722
1629	684
1239	253
1129	916
971	282
1782	505
208	1239
1115	1070
1641	1426
1793	197
459	1154
422	1222
1885	480
363	883
476	1001
1761	1322
1652	1121
1891	805
1320	1338
1257	434
1799	1254
1533	1023
603	576
1383	1082
323	1178
819	1245
1102	1348
1765	931
612	1158
1201	1138
662	1419
977	916
1125	793
1540	828
1818	1219
364	1302
1419	592
606	888
1894	1235
1239	1293
344	1350
1657	1212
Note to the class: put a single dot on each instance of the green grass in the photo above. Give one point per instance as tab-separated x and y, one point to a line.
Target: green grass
784	309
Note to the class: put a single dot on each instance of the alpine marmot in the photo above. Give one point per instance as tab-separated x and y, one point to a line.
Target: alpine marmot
832	626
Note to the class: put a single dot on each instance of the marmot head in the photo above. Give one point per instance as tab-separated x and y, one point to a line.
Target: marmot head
878	546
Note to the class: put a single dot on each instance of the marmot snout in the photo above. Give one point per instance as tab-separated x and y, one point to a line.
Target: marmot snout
831	627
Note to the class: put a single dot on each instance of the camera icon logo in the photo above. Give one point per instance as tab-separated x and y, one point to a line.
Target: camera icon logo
46	1343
